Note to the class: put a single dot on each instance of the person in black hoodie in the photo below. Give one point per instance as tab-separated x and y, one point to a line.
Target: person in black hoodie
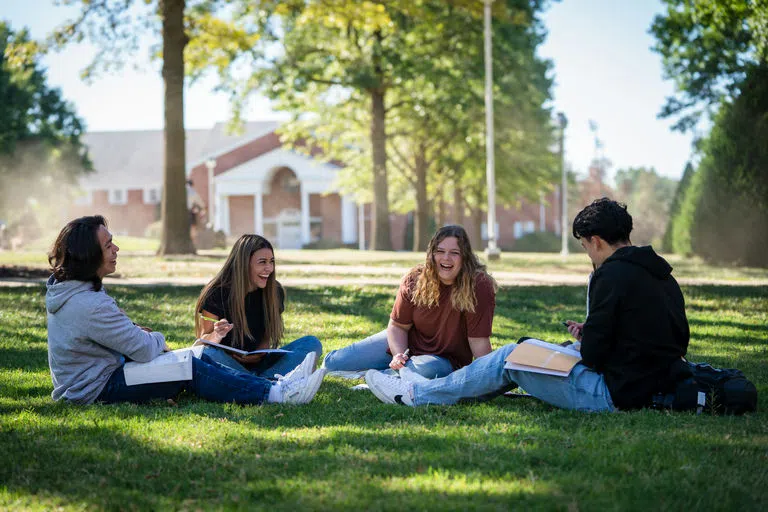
636	328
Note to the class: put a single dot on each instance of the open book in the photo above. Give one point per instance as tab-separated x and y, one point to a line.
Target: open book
169	367
201	341
538	356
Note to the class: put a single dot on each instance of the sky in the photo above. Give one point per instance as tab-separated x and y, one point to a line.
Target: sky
603	66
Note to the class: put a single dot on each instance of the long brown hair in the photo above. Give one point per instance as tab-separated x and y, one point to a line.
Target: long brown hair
235	276
427	292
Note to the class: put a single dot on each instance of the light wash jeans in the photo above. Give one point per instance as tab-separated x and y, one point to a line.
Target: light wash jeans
371	354
486	378
271	364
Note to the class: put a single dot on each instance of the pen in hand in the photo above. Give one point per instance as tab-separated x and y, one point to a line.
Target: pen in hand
214	320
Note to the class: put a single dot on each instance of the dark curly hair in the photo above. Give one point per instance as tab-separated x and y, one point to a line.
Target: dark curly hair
77	253
605	218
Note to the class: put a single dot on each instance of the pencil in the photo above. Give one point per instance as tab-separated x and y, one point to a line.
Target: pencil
214	320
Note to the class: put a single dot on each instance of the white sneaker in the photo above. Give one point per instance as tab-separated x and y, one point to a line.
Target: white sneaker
411	376
305	369
300	390
389	389
347	374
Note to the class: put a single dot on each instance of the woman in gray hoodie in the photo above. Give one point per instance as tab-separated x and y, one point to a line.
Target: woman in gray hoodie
90	338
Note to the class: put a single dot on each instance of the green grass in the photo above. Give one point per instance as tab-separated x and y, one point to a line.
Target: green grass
136	259
346	450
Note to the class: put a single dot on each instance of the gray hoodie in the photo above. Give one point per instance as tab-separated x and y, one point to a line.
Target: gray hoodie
88	335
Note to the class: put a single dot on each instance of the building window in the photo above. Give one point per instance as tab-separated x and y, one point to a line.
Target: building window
151	195
522	228
118	196
84	198
484	231
290	184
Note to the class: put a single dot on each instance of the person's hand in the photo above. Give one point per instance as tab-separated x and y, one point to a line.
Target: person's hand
249	359
220	330
398	361
166	348
575	328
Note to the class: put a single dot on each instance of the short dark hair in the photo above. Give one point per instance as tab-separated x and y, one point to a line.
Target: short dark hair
605	218
77	253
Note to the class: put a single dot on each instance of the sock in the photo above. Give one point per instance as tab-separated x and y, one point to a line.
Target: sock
275	393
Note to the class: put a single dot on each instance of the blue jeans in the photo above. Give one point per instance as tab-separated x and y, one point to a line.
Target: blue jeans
271	364
486	378
371	354
210	381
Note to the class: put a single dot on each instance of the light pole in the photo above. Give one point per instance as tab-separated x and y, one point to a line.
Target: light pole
211	165
563	122
492	252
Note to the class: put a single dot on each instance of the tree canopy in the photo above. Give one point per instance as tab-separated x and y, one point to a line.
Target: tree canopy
394	90
648	196
707	47
40	148
116	27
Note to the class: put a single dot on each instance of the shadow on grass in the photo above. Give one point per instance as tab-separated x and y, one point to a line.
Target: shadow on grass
436	458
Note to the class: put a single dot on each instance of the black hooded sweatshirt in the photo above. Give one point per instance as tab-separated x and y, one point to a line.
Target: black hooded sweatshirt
636	325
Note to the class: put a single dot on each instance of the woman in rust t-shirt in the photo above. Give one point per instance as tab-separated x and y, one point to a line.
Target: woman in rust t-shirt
442	317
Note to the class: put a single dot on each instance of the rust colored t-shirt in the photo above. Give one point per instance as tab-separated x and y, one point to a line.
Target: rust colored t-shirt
442	330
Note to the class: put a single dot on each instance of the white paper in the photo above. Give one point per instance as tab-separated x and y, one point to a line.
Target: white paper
169	367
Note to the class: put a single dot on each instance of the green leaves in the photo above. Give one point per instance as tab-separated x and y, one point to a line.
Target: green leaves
40	133
706	46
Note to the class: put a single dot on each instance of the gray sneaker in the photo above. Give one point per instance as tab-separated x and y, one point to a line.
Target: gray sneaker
389	389
301	390
305	369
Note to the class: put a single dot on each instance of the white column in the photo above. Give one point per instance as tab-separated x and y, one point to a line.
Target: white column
222	213
542	213
211	165
361	226
348	221
304	215
258	212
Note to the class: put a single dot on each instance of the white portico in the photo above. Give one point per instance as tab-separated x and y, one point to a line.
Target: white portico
287	196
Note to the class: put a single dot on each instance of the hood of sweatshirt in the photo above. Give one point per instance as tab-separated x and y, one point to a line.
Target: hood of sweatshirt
644	257
59	292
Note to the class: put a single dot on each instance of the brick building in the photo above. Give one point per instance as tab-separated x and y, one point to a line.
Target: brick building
254	185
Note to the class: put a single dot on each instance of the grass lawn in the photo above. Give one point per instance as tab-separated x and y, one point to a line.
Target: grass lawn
137	260
346	450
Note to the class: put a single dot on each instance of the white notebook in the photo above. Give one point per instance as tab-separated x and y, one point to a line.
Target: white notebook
168	367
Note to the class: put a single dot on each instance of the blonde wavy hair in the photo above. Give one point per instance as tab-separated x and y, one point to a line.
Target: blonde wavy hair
427	291
235	276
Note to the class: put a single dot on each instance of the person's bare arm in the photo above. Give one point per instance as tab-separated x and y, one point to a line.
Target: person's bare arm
397	339
480	346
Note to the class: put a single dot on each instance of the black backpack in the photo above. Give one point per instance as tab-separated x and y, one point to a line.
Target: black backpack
701	387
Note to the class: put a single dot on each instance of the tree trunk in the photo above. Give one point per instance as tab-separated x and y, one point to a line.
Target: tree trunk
458	203
440	205
475	233
175	238
420	220
380	235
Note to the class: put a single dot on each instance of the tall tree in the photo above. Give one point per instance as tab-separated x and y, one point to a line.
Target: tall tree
649	197
668	243
40	148
398	84
730	224
117	28
707	47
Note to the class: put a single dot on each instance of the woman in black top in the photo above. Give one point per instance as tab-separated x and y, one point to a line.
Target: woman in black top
242	308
